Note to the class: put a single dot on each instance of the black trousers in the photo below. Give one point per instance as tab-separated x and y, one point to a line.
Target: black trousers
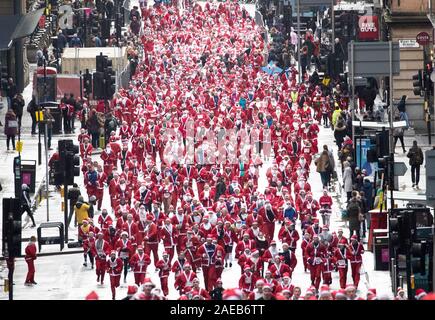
401	141
415	174
26	208
8	139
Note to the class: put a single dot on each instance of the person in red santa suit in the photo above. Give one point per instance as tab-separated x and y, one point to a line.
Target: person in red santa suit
131	227
83	234
189	172
245	243
124	131
164	268
269	254
228	240
285	284
289	234
247	280
208	254
139	263
151	238
114	269
30	257
255	262
200	291
109	158
100	250
314	228
101	180
207	195
354	254
316	253
125	250
310	205
328	267
270	216
166	191
113	186
180	221
254	216
278	267
205	226
85	149
169	236
124	156
257	293
204	177
254	231
152	145
184	278
146	194
190	245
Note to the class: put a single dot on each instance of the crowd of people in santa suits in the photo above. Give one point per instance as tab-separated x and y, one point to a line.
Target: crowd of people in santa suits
196	69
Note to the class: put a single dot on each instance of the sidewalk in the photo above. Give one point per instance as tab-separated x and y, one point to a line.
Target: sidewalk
30	152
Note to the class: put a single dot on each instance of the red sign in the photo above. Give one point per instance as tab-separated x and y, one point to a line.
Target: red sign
368	28
423	38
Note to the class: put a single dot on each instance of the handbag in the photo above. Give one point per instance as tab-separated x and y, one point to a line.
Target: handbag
13	124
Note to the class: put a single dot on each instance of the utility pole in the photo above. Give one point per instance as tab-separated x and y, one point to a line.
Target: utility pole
299	39
333	26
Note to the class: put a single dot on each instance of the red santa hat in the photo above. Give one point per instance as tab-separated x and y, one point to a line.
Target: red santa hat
286	275
131	290
150	217
267	287
340	293
210	236
350	286
139	247
272	242
419	294
113	252
232	294
92	296
399	290
255	251
246	267
187	264
354	237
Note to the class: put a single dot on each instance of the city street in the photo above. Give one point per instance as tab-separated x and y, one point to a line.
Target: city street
209	67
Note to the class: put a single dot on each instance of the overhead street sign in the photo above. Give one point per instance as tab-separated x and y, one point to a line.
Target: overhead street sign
372	59
400	169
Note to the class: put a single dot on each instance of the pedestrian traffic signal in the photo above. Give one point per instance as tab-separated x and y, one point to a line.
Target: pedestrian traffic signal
418	83
418	253
56	174
11	227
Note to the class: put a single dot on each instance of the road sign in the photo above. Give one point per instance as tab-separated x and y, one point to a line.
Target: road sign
373	58
408	43
423	38
400	169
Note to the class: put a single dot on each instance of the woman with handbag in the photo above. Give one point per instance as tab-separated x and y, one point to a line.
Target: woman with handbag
11	128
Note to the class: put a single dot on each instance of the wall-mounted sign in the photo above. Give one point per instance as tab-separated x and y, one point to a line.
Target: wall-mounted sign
368	28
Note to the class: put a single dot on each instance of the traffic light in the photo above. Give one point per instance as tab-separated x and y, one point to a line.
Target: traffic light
68	156
102	62
418	83
98	85
3	77
427	82
338	25
418	253
56	174
11	227
87	83
110	83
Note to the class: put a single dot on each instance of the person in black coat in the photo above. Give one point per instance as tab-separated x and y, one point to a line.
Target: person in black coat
220	188
26	203
216	293
11	91
18	106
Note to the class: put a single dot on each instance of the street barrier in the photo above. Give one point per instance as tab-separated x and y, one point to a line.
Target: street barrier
60	239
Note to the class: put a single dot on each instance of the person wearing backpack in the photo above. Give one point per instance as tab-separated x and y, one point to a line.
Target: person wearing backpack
416	159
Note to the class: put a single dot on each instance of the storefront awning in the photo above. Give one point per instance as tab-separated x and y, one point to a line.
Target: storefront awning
17	26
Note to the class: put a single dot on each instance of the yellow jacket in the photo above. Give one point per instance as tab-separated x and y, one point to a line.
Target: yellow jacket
335	116
81	211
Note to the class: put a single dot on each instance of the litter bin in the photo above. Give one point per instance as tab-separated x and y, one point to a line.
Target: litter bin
28	173
57	124
381	251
